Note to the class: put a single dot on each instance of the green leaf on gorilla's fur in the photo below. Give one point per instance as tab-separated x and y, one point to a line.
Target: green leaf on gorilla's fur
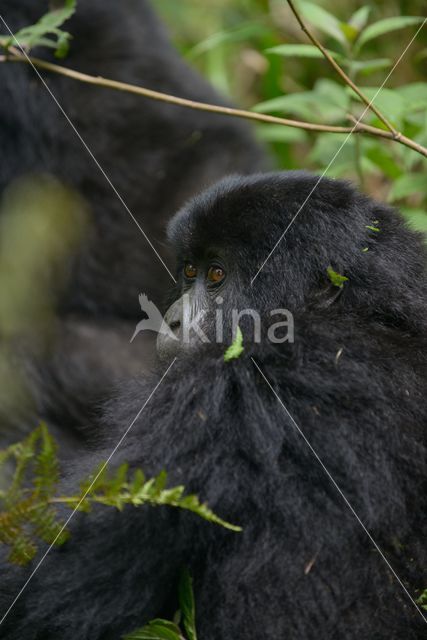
236	348
336	278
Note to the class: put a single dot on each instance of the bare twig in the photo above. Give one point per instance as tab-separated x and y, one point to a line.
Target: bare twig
360	128
340	71
164	97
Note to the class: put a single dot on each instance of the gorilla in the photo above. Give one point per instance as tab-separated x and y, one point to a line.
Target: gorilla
314	445
156	156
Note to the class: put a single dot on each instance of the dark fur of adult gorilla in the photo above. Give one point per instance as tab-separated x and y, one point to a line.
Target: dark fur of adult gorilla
156	156
353	382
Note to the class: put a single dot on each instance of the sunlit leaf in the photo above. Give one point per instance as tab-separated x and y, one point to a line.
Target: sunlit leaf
300	51
360	18
366	67
236	348
323	20
280	133
387	25
336	278
241	34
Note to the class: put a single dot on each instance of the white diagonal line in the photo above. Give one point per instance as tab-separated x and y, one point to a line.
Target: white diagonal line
343	496
103	466
338	152
85	145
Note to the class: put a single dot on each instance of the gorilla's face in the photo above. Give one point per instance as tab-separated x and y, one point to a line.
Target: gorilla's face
267	242
203	283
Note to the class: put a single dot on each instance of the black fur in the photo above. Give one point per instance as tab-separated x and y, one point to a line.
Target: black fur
156	155
303	567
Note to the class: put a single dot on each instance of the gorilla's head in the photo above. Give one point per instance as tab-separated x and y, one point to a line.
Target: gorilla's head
275	241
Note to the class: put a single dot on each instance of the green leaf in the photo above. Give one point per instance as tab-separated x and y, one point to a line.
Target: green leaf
48	25
308	104
414	96
280	133
323	20
387	100
27	505
187	605
157	629
407	185
242	33
366	67
360	18
422	600
349	31
336	278
300	51
236	348
383	158
333	93
386	26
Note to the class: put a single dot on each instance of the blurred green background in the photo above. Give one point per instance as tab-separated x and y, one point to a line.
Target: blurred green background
255	52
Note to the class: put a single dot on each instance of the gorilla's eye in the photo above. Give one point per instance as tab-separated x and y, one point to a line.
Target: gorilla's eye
190	271
216	274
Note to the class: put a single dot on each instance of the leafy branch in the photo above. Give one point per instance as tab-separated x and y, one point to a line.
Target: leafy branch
27	506
46	32
334	64
20	55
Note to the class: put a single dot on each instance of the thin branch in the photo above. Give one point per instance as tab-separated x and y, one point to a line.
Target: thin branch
340	71
358	128
164	97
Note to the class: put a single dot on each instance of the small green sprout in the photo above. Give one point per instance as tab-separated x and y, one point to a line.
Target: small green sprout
236	348
336	278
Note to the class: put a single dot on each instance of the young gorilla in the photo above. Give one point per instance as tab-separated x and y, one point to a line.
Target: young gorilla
353	382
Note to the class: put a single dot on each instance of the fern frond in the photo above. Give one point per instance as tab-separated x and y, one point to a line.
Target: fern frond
27	506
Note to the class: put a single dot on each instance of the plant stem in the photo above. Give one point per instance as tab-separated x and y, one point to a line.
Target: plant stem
359	128
341	71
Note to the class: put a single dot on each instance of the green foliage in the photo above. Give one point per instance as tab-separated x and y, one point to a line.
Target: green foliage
328	101
28	506
301	51
160	629
385	26
236	348
157	629
336	278
119	488
26	513
422	600
187	605
46	32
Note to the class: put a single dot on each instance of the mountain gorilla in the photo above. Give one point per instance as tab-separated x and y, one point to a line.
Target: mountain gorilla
303	444
155	154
